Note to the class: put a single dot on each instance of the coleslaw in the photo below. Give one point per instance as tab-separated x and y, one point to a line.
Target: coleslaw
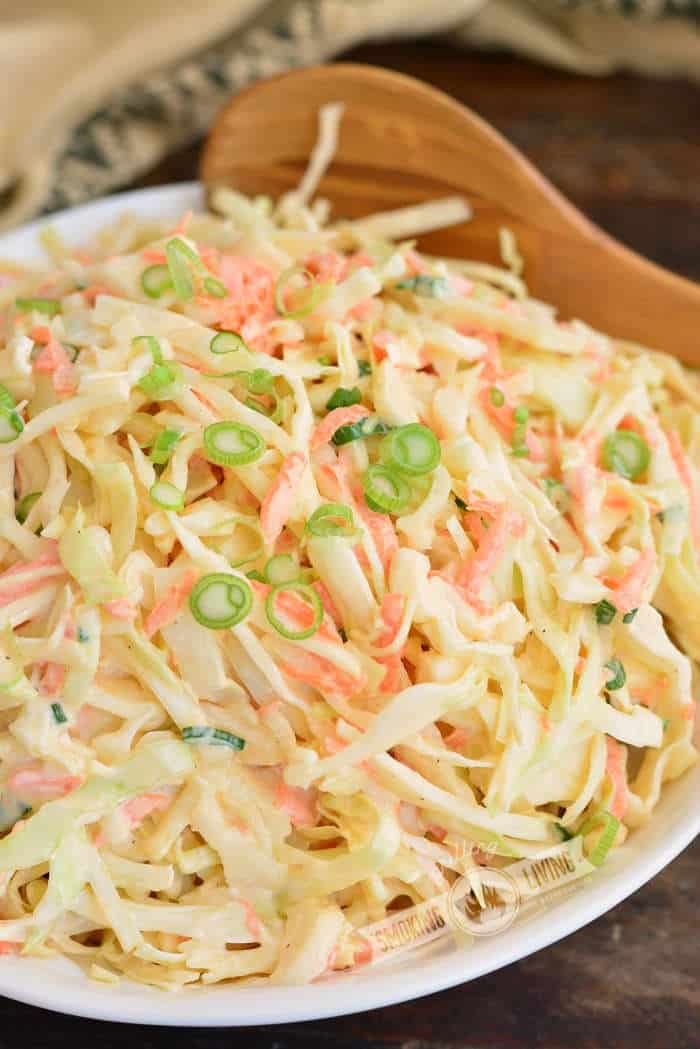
327	568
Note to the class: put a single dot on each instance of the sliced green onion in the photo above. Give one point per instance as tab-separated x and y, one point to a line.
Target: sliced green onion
216	737
181	261
521	414
215	288
7	401
257	576
282	568
413	449
606	840
498	398
11	425
156	280
219	600
315	292
461	505
260	380
313	601
367	427
83	635
48	306
227	342
364	368
629	616
665	722
332	519
518	441
605	612
149	343
619	676
163	446
167	496
158	378
232	444
625	453
423	284
386	491
58	714
274	412
326	361
343	398
24	506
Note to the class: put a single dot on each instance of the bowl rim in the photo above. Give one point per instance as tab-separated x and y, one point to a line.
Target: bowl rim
61	986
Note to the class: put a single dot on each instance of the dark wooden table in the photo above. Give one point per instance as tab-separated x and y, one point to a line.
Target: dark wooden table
627	151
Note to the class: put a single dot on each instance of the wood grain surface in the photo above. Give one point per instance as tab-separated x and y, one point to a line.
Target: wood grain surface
627	152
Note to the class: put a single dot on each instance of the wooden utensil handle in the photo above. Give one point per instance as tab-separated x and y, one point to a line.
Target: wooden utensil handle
600	281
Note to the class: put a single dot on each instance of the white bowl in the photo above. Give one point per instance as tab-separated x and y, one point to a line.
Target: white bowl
60	985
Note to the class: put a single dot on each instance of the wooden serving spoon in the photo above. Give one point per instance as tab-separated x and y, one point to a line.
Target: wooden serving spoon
402	142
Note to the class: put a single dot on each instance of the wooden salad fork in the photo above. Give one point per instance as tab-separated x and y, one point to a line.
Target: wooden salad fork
403	142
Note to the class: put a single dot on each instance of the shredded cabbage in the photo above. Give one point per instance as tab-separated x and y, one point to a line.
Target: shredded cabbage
468	646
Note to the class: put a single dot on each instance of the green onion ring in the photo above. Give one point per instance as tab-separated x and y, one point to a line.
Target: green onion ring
155	280
227	342
219	600
332	519
309	595
413	449
167	496
386	491
625	453
232	444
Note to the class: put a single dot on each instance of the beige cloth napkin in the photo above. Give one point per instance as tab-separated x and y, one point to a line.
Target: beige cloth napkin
96	93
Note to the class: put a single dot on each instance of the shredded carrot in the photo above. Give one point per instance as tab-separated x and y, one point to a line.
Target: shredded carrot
51	357
251	919
279	500
52	679
121	608
27	576
617	501
250	292
456	739
298	803
438	832
489	553
391	614
169	608
137	809
382	531
91	294
615	769
322	674
35	783
629	587
8	947
385	345
329	605
154	256
333	744
334	420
